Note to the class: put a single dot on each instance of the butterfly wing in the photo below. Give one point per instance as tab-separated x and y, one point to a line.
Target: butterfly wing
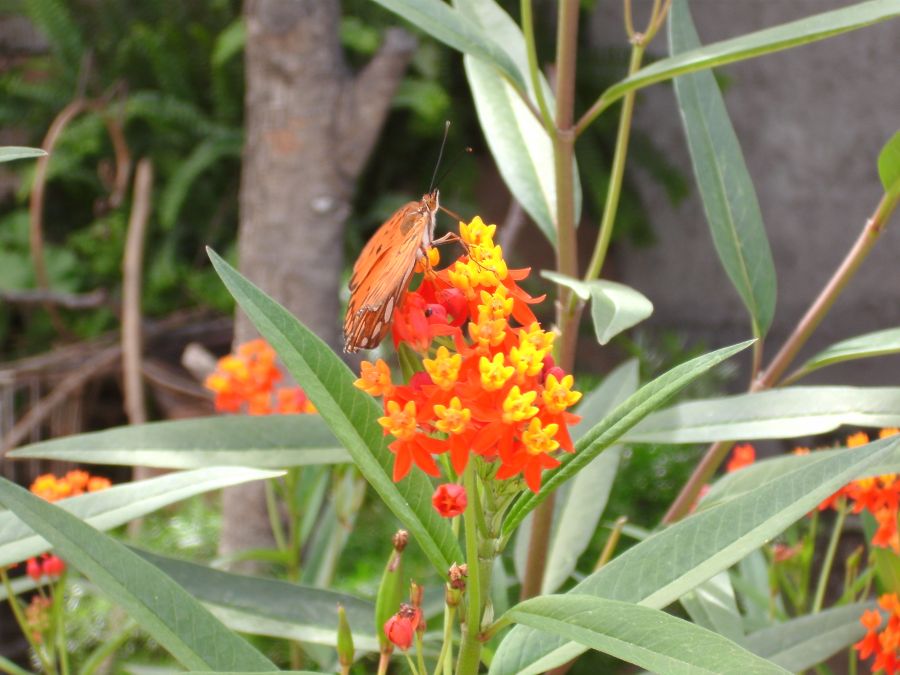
381	275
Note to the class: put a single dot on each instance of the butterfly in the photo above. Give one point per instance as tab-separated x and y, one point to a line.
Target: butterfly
381	273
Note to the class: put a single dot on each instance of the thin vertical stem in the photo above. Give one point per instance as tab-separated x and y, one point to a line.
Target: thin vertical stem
470	648
825	572
533	66
772	375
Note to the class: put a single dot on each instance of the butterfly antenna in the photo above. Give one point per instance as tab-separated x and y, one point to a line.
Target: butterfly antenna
440	155
452	163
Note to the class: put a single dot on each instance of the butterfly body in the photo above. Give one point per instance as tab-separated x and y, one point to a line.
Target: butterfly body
383	269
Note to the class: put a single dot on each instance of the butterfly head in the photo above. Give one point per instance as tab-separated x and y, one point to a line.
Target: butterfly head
430	200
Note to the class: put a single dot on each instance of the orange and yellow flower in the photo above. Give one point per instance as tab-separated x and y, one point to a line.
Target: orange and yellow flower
488	383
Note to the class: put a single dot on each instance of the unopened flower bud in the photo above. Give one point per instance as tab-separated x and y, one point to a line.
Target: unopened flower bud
33	569
400	540
457	575
344	639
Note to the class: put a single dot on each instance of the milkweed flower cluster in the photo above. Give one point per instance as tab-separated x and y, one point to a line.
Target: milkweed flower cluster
245	381
882	642
488	383
879	495
76	482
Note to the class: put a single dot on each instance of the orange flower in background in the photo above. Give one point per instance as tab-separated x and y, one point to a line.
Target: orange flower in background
741	456
49	487
489	385
883	644
245	382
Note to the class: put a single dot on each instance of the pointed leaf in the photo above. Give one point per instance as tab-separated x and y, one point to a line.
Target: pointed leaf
448	25
161	607
777	413
806	641
273	441
712	605
350	414
729	199
270	607
583	504
750	45
614	307
889	165
646	637
879	343
121	503
611	428
668	564
9	153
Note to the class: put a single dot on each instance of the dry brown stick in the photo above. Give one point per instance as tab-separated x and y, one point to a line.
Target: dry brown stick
38	189
93	367
92	300
132	273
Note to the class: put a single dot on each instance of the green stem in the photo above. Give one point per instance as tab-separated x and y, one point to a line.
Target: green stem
470	648
7	666
59	623
804	329
829	559
617	174
16	607
533	68
274	516
420	654
445	658
106	649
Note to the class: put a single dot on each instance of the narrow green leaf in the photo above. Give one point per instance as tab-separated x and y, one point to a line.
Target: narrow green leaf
270	442
889	165
777	413
161	607
712	605
449	26
582	505
520	144
351	414
806	641
9	153
120	503
615	307
229	42
646	637
668	564
270	607
648	398
879	343
750	45
726	189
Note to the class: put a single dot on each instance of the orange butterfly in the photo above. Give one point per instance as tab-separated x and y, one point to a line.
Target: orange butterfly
383	269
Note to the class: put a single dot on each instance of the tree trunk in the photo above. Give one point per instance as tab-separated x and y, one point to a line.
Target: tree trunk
310	126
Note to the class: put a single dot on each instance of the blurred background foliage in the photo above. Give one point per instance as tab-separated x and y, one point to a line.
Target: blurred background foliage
171	74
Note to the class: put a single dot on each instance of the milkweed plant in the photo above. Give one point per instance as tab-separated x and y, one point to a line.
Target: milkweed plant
473	429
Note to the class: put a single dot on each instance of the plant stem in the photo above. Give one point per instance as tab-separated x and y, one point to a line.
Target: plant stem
106	649
7	666
770	377
470	648
16	607
445	658
612	541
616	175
567	315
829	559
59	623
533	67
274	516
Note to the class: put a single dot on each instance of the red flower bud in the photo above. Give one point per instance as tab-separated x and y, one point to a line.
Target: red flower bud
53	567
454	302
401	627
33	569
449	499
419	380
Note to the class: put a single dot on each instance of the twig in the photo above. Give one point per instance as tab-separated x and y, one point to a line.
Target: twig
92	300
132	272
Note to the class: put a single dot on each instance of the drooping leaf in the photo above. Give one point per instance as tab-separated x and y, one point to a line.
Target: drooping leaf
777	413
163	609
806	641
271	607
889	165
350	414
670	563
9	153
646	637
448	25
758	43
879	343
121	503
615	307
582	505
726	189
273	441
713	605
648	398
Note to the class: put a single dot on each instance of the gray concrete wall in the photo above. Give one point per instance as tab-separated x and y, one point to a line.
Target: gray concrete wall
811	122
